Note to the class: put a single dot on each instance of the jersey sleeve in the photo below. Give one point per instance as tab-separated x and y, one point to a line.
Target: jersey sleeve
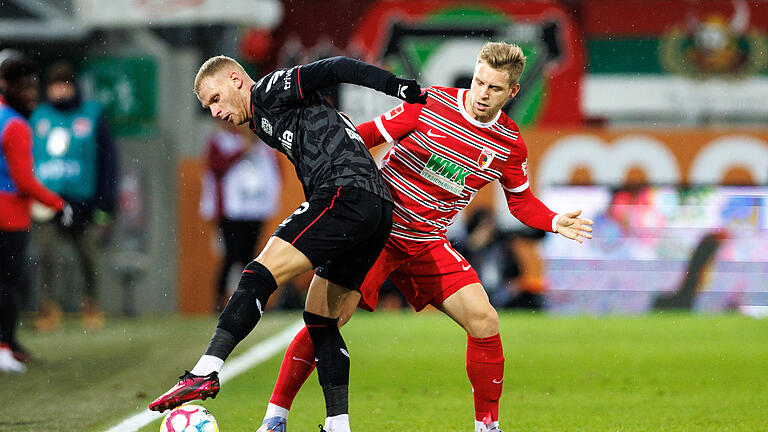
285	86
371	135
520	200
277	88
399	121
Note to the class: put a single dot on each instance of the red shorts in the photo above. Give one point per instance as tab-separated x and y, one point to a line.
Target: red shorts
425	272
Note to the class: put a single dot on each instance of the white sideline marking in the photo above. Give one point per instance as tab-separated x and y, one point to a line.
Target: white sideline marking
257	354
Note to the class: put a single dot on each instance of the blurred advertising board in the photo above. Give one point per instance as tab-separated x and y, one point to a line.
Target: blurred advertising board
437	43
695	61
122	13
126	88
702	248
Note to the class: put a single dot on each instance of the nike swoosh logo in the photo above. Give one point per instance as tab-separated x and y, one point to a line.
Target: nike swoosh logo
498	382
302	360
434	135
466	267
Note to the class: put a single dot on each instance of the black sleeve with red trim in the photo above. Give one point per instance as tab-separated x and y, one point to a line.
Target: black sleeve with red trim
284	87
335	70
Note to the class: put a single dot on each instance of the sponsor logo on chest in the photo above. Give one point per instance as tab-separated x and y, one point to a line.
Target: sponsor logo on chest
445	173
266	126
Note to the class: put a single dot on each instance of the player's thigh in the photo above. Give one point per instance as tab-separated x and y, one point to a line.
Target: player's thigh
283	260
471	309
331	300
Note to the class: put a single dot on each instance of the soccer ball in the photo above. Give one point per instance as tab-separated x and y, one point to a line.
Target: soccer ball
189	418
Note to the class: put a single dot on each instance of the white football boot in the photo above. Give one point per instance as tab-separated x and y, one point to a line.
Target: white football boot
8	363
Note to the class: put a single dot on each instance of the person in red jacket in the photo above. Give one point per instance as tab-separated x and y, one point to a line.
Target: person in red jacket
18	187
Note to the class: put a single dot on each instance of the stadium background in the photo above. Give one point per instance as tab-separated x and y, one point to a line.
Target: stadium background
675	98
649	114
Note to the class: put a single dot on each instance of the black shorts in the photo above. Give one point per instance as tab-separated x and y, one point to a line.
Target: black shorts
341	230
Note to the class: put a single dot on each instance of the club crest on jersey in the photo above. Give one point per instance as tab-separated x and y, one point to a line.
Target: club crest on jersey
445	173
485	159
394	112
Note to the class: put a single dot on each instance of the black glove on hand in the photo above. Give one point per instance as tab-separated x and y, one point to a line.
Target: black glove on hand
405	89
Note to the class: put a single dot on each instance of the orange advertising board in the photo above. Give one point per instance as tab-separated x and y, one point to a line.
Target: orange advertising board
579	156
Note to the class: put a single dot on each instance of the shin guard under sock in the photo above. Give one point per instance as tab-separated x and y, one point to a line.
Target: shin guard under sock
485	368
243	310
332	361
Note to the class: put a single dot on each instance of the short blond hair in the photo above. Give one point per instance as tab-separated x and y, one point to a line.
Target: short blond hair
212	66
505	57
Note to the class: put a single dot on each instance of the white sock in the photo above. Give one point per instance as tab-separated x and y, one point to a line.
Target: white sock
339	423
275	411
206	365
483	427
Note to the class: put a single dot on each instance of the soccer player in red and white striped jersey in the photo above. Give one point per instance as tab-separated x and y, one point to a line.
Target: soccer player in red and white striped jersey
443	153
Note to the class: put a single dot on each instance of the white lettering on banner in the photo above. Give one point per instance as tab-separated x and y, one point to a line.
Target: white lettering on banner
713	160
57	169
607	164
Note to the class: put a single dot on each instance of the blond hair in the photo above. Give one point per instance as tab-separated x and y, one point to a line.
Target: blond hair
212	66
504	57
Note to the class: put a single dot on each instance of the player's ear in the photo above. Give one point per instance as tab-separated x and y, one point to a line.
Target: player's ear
236	79
513	90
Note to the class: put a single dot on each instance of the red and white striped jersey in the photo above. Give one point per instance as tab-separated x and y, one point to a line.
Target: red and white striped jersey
441	157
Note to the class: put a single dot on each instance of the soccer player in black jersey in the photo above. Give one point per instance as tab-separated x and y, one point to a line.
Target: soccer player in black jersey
340	230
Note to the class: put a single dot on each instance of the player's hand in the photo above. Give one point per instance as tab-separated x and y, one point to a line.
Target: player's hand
406	89
66	216
570	225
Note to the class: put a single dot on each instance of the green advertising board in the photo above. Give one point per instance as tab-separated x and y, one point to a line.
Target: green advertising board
127	88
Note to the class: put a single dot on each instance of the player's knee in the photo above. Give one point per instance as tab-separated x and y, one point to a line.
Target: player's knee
484	323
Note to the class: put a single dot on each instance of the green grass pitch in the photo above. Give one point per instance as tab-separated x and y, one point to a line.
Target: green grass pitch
670	372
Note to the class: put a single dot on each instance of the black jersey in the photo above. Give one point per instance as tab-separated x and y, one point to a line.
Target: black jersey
291	116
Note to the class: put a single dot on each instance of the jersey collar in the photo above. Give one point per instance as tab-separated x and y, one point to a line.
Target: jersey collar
460	100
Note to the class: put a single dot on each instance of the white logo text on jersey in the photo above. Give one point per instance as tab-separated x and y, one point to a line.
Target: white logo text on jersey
287	141
274	79
266	126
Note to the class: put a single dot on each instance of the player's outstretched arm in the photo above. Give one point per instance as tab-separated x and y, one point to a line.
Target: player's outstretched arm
335	70
570	225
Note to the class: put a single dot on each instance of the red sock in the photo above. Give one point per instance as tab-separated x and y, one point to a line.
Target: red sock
485	368
298	364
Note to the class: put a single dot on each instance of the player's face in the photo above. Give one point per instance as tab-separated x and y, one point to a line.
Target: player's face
489	91
222	94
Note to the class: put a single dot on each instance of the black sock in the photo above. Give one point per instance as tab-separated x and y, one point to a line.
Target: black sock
332	361
243	310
